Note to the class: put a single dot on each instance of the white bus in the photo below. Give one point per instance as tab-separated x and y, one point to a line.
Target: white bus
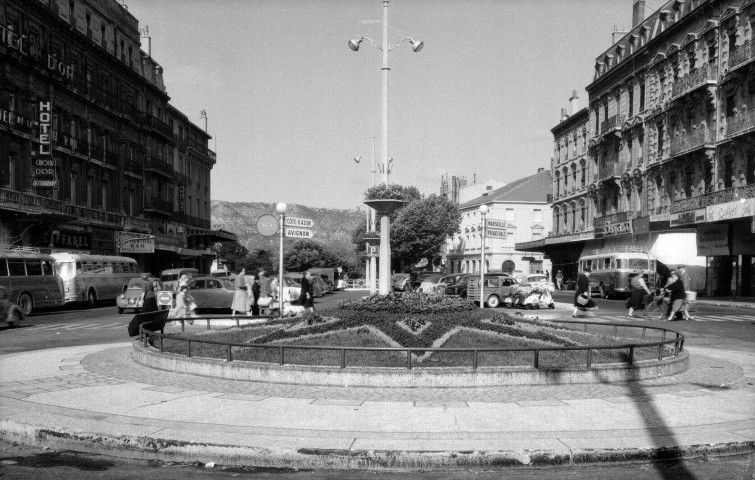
91	278
611	270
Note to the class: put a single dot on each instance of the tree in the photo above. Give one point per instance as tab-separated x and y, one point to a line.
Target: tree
420	230
304	254
233	253
260	259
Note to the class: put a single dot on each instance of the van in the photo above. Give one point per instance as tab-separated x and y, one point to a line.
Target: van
496	288
169	278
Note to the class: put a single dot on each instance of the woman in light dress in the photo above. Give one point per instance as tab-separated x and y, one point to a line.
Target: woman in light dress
240	305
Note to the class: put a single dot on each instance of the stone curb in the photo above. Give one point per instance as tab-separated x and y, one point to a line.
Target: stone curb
155	448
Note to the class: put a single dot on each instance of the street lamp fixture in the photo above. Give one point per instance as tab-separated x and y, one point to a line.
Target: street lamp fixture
385	47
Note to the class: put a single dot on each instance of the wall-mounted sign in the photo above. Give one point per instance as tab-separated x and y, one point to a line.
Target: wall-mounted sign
641	225
613	228
70	240
725	211
713	240
132	242
689	217
44	176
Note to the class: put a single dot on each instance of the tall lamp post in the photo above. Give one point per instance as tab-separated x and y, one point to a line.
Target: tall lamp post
385	248
281	208
483	211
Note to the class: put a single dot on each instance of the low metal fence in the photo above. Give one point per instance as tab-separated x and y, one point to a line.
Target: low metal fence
673	345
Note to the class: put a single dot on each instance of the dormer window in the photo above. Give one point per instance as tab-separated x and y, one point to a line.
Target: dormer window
644	30
620	50
608	60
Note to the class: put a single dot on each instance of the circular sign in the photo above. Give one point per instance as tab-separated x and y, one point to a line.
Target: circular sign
165	297
267	225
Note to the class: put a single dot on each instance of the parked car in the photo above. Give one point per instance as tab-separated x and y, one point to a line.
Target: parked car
139	294
431	284
460	287
496	288
212	292
540	280
399	281
291	289
319	288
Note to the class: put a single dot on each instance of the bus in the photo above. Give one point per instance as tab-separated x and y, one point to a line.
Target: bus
611	271
91	278
29	279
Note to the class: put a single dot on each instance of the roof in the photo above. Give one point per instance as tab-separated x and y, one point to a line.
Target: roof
532	189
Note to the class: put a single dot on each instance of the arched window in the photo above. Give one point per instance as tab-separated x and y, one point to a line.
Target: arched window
508	266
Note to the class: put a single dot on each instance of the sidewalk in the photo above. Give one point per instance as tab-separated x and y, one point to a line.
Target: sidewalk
732	302
95	398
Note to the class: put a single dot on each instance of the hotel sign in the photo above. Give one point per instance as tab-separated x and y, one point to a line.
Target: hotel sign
44	175
690	217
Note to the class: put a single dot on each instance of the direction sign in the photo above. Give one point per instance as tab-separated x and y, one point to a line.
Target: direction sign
165	297
299	222
493	224
493	233
291	232
267	225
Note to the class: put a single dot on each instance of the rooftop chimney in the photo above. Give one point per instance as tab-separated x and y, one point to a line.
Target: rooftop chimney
638	12
574	102
564	115
617	34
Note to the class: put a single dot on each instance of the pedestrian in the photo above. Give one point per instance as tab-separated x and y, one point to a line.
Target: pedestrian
638	289
677	295
684	277
582	300
559	280
306	297
265	294
185	305
240	304
251	301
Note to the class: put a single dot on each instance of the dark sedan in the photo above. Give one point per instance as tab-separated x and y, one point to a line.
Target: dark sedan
211	292
460	287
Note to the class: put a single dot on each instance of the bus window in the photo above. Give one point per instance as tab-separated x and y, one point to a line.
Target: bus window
620	263
16	267
107	268
652	265
606	264
3	268
117	267
79	267
33	267
47	267
638	264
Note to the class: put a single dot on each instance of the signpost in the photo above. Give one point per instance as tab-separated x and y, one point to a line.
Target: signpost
267	225
299	222
291	232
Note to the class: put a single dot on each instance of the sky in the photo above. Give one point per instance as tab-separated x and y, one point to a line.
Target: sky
289	105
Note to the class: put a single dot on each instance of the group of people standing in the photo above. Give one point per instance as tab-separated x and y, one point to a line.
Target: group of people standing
254	292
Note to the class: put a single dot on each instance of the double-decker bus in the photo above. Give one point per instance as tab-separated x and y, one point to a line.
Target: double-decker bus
29	279
91	278
611	270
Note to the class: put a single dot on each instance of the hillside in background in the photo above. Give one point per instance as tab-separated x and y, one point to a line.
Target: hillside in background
332	227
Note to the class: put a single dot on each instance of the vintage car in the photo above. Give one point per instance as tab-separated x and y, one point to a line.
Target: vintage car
212	292
459	288
497	287
139	294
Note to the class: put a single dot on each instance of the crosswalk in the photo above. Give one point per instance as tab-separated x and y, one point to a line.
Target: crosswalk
73	326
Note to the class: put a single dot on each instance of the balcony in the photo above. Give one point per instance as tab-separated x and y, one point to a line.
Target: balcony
158	205
614	218
701	76
609	171
740	123
713	198
689	142
154	163
741	55
135	223
133	166
158	126
611	124
169	240
92	215
63	140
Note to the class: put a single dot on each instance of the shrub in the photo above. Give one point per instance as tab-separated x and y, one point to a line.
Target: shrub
383	191
408	302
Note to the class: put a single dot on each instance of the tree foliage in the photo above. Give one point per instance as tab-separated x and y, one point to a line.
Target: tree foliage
232	253
304	254
420	230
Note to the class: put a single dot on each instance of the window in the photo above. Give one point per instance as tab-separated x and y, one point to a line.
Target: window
642	96
537	216
728	171
33	267
72	187
730	104
631	101
660	140
3	268
510	215
16	267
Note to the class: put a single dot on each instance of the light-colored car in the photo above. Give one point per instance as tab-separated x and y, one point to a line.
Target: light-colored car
539	279
400	281
432	284
212	292
291	289
139	295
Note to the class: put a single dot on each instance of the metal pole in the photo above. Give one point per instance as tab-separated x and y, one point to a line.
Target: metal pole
482	263
372	273
280	268
385	224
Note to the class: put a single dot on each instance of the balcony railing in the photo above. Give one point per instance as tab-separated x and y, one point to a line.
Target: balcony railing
614	218
609	171
740	123
159	126
741	54
165	239
158	205
612	123
154	163
713	198
692	141
701	76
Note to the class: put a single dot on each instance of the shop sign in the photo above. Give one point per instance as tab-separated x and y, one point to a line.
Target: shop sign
63	69
44	176
713	240
70	240
613	228
19	43
688	218
742	241
494	224
641	225
14	119
496	234
181	195
132	242
730	210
